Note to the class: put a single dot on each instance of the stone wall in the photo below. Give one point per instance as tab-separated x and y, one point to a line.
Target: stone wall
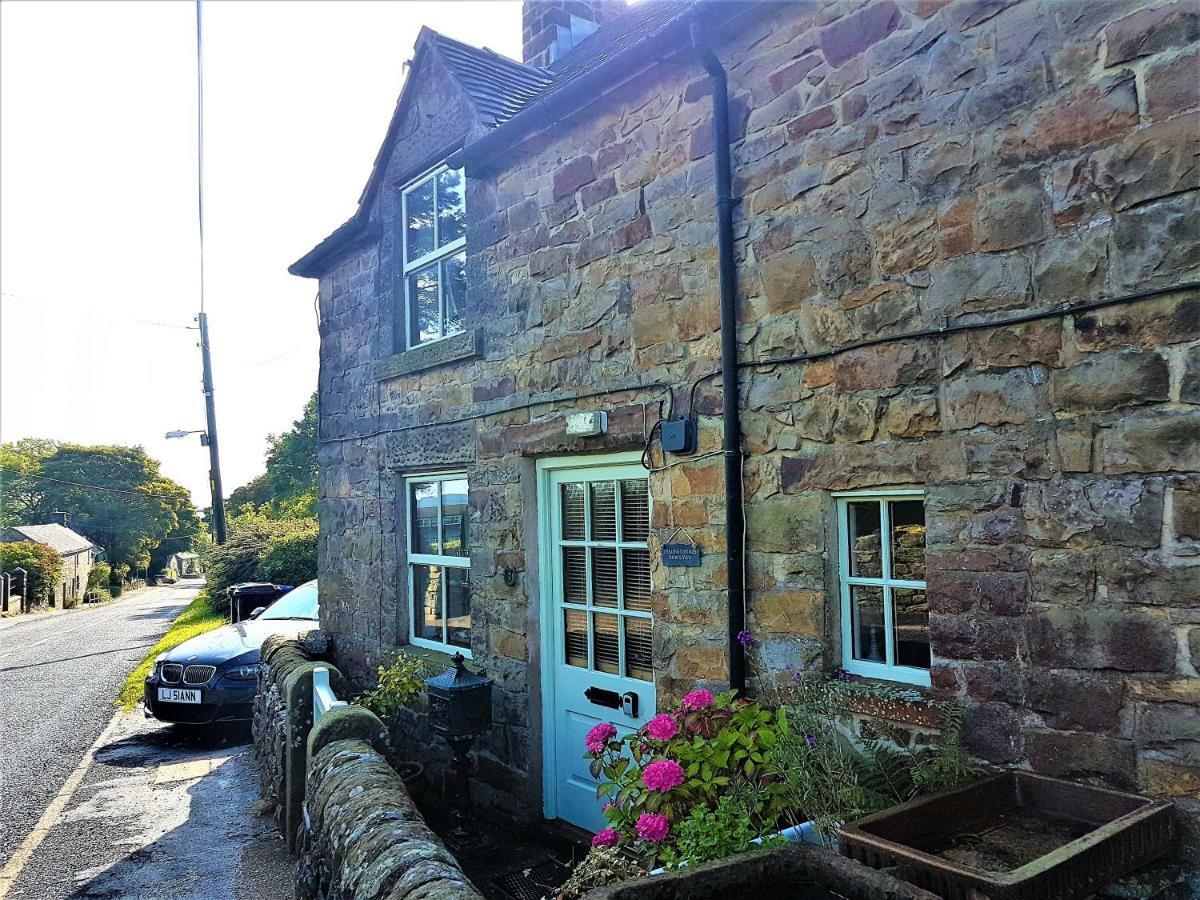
900	166
363	838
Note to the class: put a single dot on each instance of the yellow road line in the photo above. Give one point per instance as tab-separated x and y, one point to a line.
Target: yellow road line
14	867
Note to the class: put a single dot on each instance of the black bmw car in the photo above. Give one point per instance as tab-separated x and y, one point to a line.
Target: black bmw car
213	677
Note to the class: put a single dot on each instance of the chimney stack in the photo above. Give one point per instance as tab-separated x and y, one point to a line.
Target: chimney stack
58	517
551	28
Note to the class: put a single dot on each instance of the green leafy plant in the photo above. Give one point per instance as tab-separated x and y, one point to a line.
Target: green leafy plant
43	568
834	779
682	763
400	683
708	834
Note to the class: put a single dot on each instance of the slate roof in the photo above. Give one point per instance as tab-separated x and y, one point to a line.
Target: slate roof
58	538
498	87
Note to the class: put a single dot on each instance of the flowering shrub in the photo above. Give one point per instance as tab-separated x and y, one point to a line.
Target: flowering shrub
684	760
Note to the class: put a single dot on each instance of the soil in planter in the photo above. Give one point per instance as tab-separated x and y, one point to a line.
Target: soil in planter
1008	840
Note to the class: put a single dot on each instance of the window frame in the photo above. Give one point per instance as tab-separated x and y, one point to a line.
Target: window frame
413	559
434	257
885	671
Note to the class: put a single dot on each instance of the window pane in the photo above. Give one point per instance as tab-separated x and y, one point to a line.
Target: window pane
423	534
604	511
866	611
604	576
572	512
574	575
458	606
910	618
637	579
452	210
639	662
635	510
454	291
418	220
423	305
427	602
606	652
866	560
454	518
908	539
575	638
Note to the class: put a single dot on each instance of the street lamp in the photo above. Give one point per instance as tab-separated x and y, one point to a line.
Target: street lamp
214	480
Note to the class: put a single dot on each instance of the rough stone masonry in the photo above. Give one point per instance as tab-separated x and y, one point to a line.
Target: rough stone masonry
900	165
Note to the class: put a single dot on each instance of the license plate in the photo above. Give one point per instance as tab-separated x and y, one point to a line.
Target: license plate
178	695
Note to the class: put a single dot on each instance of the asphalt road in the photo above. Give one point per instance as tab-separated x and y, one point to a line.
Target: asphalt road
59	674
149	811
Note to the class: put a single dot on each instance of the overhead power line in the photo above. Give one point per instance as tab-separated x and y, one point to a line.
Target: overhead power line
93	487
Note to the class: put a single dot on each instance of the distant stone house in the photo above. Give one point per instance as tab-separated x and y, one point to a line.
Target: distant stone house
965	247
77	552
185	563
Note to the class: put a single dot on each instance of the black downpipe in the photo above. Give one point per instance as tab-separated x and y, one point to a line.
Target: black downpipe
735	562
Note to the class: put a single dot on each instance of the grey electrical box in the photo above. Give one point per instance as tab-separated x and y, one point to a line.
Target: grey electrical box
679	436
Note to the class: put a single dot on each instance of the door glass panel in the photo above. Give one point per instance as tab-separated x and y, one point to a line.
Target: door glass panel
575	574
606	650
458	606
604	511
427	608
454	292
418	221
866	606
910	618
573	512
423	305
452	212
604	576
866	560
908	539
425	517
454	518
635	510
638	649
637	579
575	635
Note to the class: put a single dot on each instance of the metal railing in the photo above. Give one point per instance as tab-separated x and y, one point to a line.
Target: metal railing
324	699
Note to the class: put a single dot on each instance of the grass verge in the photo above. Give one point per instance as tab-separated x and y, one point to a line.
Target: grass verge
201	615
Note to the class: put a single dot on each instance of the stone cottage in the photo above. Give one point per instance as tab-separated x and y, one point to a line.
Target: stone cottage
962	355
77	553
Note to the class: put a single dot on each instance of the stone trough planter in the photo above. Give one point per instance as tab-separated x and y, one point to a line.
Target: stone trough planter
798	870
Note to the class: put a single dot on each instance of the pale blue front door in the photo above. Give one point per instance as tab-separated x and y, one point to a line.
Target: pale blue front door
596	625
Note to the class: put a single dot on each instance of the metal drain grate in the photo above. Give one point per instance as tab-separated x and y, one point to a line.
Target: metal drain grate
542	880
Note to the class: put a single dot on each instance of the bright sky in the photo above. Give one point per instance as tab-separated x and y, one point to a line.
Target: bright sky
98	247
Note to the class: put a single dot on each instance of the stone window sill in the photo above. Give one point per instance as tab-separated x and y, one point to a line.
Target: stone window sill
464	345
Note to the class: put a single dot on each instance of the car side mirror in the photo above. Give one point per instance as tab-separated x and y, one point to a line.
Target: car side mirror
258	612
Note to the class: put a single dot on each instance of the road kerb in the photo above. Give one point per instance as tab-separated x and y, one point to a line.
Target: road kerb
13	868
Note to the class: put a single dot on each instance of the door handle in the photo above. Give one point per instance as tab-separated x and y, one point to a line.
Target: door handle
602	697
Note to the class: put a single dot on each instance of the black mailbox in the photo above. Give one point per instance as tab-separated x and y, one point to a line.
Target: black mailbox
460	702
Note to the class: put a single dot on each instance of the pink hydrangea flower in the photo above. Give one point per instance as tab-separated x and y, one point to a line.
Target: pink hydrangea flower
664	775
599	736
609	837
698	700
662	727
653	827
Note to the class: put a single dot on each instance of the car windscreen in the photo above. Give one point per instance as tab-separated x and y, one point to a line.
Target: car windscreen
300	603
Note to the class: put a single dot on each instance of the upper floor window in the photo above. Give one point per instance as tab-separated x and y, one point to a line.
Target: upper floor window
434	216
881	573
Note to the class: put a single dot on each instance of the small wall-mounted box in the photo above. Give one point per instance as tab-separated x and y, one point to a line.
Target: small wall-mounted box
679	436
587	424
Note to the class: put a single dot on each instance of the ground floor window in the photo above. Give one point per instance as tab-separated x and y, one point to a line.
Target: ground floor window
881	575
439	562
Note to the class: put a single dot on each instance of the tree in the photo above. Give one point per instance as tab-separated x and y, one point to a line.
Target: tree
43	565
115	496
288	488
